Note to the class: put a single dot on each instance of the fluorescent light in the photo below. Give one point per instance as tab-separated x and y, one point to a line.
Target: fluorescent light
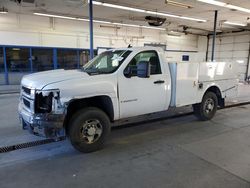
146	11
177	4
3	10
240	61
98	21
96	2
192	19
212	2
157	28
238	8
122	7
56	16
174	33
234	23
226	5
117	6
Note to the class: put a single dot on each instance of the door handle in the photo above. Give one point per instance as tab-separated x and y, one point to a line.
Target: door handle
159	82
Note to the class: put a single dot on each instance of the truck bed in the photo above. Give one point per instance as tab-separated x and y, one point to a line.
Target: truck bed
187	79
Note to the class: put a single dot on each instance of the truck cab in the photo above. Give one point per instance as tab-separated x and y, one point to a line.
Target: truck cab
117	84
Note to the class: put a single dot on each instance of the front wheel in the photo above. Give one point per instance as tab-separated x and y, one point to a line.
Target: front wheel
207	108
89	129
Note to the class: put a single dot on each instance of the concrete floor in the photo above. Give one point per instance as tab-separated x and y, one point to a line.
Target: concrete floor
181	152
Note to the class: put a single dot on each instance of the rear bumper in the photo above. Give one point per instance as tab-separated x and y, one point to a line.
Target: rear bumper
46	125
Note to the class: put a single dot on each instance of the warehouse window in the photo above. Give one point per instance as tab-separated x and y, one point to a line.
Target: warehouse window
185	58
18	63
84	57
2	80
24	60
42	59
67	59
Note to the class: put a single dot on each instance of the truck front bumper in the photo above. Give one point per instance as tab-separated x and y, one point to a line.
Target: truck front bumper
46	125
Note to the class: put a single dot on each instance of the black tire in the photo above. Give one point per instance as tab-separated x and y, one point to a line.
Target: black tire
204	112
89	120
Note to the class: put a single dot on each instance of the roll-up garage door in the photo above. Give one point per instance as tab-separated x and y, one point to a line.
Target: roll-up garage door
232	48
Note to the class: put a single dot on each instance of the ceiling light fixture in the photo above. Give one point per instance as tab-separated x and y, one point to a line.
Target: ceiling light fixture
174	33
234	23
213	2
120	7
226	5
98	3
97	21
177	4
57	16
3	10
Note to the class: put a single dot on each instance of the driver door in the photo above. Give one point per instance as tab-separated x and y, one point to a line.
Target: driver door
139	96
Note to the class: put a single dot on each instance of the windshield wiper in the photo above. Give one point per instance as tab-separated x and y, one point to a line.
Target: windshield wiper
94	71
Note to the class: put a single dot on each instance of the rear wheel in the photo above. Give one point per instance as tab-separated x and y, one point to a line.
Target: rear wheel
89	129
207	108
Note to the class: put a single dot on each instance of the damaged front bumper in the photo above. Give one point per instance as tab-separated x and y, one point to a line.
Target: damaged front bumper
46	124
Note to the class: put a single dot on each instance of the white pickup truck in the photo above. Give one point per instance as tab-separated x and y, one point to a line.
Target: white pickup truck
118	84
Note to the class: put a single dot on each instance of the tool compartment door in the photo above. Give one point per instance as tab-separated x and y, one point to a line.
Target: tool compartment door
186	83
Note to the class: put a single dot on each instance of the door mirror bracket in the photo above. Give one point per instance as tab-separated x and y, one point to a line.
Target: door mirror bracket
128	72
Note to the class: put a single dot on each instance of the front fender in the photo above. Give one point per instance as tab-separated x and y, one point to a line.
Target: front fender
87	88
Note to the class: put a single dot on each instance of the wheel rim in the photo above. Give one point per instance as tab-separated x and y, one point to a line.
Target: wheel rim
91	131
209	105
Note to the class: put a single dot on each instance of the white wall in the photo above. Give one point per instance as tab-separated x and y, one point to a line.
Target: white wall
233	47
31	30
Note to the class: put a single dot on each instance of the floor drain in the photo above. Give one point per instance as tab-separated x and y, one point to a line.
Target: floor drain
28	144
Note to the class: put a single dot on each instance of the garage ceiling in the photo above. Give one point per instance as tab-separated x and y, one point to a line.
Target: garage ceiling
79	8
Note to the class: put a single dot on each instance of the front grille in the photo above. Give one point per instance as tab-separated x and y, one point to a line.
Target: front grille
27	98
26	103
26	90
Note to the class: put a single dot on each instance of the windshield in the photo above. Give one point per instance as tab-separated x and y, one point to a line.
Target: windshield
107	62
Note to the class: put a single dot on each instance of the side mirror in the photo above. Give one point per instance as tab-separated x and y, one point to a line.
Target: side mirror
143	69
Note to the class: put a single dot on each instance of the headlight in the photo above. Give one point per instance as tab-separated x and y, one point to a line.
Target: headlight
44	100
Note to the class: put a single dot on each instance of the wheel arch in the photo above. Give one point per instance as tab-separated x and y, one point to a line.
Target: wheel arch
216	90
103	102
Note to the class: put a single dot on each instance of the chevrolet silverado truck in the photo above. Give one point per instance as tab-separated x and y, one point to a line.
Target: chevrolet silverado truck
119	83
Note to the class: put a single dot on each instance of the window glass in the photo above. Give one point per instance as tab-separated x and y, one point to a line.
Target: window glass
42	59
67	59
2	80
18	63
149	56
106	62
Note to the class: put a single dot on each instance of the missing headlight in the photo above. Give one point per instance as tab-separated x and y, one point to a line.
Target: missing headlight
43	103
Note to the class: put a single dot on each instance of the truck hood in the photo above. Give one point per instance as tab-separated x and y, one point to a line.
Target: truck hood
43	79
